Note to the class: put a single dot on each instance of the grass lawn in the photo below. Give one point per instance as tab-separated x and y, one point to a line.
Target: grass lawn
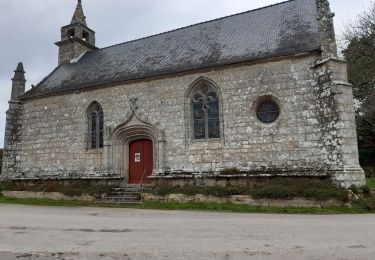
227	207
371	183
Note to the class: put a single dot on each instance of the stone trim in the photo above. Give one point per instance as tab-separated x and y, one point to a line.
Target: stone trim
133	129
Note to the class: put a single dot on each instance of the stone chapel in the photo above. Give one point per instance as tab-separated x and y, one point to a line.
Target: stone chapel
252	95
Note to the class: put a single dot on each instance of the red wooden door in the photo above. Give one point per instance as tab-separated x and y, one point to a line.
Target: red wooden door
140	161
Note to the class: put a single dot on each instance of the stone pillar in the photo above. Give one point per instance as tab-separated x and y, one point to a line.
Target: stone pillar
161	153
327	30
107	149
339	146
13	127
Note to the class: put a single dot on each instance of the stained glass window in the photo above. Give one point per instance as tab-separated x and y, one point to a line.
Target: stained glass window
206	113
96	125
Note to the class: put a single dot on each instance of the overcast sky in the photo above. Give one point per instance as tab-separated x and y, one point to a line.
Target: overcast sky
29	29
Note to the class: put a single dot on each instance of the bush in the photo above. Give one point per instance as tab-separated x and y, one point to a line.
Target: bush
74	189
354	189
217	191
317	189
1	160
369	171
366	155
371	182
273	191
278	188
4	186
230	171
365	190
367	204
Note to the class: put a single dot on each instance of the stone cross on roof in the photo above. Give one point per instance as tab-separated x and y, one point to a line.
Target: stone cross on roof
78	16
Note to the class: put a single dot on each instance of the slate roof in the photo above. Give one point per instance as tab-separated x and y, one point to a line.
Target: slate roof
286	28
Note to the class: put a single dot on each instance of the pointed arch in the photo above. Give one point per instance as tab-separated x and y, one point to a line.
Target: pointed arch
131	130
95	116
203	109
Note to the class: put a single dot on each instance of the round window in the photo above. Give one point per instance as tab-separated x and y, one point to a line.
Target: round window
268	111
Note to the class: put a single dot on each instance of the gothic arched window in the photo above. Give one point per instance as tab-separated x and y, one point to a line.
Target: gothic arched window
206	112
96	125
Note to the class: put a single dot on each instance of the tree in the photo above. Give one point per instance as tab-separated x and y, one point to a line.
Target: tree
360	54
1	160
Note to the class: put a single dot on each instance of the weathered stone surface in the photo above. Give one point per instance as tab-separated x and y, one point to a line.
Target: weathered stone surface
315	135
311	134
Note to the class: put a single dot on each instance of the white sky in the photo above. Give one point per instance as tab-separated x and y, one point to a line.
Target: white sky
29	29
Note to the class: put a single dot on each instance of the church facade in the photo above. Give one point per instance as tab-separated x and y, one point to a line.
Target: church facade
252	95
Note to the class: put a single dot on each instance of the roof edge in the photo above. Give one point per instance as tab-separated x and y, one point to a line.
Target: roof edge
92	86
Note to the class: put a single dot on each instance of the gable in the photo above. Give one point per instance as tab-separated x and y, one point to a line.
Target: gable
282	29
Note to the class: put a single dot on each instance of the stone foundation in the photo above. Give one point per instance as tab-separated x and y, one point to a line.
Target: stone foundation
66	182
247	179
245	200
45	195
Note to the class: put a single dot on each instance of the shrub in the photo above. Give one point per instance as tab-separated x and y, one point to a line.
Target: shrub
273	191
4	186
230	171
78	188
367	204
278	188
365	190
1	160
354	189
287	188
217	191
371	182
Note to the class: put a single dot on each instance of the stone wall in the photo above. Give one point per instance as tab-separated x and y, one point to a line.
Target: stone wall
307	138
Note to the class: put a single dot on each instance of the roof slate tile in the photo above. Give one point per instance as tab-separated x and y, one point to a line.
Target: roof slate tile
283	29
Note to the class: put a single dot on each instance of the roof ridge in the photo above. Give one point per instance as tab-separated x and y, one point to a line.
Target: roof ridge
192	25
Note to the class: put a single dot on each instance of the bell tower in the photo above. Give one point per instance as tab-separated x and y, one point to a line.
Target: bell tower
76	38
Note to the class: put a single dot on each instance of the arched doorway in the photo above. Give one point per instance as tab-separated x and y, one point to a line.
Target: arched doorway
140	161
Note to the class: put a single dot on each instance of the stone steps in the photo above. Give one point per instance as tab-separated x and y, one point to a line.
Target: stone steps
127	195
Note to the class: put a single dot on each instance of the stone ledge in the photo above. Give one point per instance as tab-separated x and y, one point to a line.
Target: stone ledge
242	175
52	178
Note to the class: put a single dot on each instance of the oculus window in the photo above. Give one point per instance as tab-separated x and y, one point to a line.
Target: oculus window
267	111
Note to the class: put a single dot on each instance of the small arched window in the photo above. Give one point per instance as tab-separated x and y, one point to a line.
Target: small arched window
96	125
206	113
